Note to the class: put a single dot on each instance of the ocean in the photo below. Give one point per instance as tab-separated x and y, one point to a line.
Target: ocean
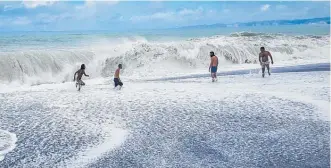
169	113
51	57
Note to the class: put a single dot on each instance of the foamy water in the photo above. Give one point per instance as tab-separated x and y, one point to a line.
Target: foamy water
168	113
54	62
240	120
7	143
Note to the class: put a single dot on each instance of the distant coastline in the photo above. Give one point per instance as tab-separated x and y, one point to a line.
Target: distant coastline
322	20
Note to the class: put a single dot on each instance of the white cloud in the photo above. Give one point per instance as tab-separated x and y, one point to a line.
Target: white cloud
36	3
94	3
155	16
47	18
166	15
190	11
92	7
8	8
21	21
88	9
265	7
121	18
187	13
281	7
88	4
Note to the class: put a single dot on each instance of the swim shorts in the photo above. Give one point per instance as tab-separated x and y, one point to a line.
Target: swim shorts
213	69
117	82
263	64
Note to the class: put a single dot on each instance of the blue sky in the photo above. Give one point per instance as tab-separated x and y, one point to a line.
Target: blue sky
122	15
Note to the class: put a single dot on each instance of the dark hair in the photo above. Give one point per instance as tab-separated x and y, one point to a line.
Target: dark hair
82	66
212	53
262	48
119	65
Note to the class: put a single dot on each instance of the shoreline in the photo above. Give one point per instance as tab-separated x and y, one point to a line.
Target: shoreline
284	69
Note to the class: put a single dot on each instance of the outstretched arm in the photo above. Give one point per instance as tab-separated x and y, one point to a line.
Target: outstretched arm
272	61
85	74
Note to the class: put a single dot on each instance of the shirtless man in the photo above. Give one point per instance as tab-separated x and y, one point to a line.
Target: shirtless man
264	60
117	79
80	73
213	66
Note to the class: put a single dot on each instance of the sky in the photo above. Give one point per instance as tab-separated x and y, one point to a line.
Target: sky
126	15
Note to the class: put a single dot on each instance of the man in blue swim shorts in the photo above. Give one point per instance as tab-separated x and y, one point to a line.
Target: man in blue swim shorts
213	66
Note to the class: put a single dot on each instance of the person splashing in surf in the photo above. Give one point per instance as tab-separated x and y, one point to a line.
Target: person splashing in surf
213	66
264	60
80	74
117	79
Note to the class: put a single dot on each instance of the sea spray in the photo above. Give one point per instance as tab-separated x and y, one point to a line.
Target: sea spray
142	58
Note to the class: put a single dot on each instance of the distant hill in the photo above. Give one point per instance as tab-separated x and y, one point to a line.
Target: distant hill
324	20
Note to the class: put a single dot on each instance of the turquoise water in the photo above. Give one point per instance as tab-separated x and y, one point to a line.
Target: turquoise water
287	29
35	40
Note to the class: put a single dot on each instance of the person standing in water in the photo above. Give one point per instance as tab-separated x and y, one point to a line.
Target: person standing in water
264	60
80	73
213	66
117	79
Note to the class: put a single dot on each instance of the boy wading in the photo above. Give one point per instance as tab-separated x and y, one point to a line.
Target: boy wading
117	80
80	74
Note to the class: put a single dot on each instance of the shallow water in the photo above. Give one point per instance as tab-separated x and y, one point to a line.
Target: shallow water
239	121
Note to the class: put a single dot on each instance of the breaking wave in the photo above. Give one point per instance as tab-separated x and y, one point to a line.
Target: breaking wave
145	58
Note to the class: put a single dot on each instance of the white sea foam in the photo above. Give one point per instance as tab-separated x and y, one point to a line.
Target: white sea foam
110	142
142	58
239	120
7	143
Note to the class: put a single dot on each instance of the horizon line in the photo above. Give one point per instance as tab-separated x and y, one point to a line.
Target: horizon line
189	26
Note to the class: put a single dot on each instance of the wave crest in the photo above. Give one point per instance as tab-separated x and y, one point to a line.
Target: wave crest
146	57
